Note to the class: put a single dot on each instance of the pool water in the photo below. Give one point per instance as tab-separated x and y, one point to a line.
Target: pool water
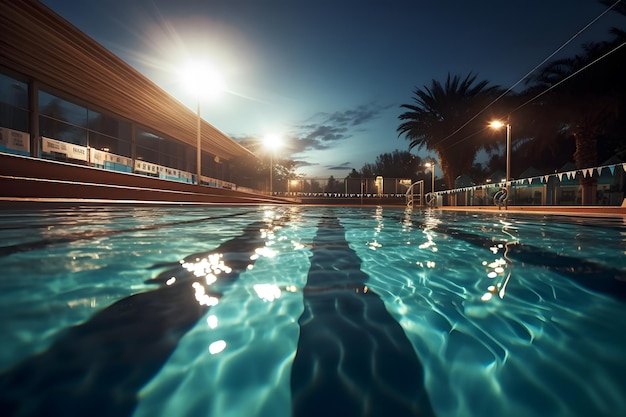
295	311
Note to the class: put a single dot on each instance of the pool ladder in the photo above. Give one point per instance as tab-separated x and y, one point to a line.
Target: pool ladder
501	197
410	194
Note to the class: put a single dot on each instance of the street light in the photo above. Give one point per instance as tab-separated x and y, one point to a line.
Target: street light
203	81
199	144
432	165
272	143
496	124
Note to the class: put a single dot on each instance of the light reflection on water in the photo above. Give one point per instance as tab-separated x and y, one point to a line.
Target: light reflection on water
541	343
514	352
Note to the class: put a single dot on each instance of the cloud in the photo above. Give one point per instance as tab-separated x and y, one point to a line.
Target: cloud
302	164
356	117
321	130
326	133
303	144
340	167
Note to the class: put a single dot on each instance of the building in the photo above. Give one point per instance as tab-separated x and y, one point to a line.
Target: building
68	105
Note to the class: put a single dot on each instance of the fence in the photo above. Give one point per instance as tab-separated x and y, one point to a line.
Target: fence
346	188
559	188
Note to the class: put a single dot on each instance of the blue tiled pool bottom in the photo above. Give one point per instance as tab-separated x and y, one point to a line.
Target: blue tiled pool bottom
282	311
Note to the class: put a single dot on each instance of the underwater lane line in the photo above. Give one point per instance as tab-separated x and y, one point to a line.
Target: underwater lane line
353	358
594	276
98	367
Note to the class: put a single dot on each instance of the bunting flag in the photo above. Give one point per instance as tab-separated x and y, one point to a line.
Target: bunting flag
586	172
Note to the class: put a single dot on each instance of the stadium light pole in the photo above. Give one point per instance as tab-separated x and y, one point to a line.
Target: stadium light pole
496	124
272	143
203	81
199	144
431	165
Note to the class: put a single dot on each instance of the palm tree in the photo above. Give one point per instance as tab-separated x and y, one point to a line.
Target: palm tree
584	100
443	119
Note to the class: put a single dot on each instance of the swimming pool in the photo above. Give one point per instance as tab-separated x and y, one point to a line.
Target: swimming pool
281	311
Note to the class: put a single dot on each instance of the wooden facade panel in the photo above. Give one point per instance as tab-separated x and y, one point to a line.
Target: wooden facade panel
36	42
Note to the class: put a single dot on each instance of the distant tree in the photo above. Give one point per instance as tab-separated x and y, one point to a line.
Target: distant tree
369	170
442	119
284	171
354	174
332	186
255	172
249	172
397	164
479	173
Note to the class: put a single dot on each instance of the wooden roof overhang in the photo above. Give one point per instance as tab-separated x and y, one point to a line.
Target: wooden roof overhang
41	45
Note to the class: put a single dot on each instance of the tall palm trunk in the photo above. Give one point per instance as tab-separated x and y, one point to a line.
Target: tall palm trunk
586	156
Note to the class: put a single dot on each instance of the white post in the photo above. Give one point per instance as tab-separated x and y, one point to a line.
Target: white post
271	169
199	146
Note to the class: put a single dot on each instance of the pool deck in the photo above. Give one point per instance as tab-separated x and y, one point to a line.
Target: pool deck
592	211
595	211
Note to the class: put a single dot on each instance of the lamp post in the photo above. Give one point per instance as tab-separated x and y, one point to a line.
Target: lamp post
432	165
199	144
496	124
271	173
272	142
202	80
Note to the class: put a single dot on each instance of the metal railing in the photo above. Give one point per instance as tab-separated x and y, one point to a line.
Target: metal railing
557	189
410	194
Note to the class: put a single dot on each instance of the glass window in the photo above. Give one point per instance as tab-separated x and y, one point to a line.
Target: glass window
162	151
109	144
60	109
14	118
13	92
13	103
109	125
55	129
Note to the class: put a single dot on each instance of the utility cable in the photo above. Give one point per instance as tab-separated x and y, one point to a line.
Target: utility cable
568	77
533	70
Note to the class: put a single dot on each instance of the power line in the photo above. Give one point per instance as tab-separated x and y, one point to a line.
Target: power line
568	77
533	70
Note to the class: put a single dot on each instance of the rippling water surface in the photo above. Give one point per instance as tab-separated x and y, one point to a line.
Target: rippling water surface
281	311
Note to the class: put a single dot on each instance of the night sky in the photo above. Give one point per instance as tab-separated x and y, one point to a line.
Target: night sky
329	76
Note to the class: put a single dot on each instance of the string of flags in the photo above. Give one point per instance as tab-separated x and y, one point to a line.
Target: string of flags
567	175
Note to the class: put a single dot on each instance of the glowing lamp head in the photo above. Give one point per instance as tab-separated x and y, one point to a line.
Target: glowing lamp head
496	124
272	142
202	79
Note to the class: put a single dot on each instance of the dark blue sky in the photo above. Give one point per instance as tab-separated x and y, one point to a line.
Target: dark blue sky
328	76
